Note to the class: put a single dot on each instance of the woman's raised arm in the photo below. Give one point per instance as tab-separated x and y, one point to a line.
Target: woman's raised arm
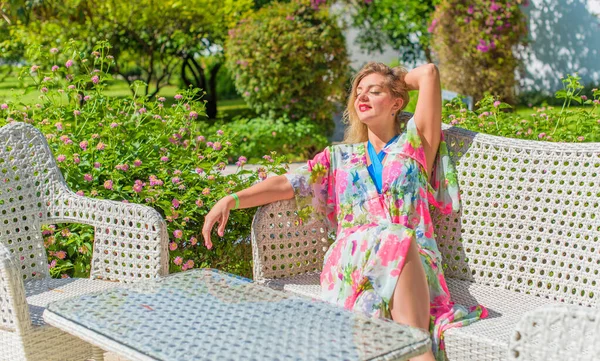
428	113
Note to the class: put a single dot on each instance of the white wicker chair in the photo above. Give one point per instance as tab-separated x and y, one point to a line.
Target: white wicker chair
528	236
130	245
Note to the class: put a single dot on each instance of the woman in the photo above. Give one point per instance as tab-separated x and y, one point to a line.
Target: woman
376	190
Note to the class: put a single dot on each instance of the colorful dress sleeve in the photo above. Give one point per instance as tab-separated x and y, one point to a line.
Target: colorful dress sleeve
313	185
442	189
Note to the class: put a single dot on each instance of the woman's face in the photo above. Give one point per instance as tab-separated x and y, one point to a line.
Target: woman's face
374	103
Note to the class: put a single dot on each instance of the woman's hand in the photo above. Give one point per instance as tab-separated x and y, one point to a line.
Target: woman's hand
218	213
270	190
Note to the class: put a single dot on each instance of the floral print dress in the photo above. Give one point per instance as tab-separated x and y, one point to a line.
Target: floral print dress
374	230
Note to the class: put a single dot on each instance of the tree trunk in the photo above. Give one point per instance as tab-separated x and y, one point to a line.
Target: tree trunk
199	81
211	94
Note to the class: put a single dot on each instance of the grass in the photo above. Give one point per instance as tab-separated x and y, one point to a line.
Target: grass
12	87
227	109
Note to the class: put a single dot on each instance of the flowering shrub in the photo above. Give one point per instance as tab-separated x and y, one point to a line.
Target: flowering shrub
473	42
135	150
298	140
289	59
560	124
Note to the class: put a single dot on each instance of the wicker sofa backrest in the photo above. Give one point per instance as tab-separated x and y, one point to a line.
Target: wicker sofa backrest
282	246
530	217
29	180
529	221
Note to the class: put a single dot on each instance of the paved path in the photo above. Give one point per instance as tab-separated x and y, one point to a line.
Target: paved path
230	169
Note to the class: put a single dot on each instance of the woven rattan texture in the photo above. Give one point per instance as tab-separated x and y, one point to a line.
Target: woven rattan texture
529	224
530	216
487	339
529	220
234	319
554	333
41	292
130	245
282	246
127	244
307	284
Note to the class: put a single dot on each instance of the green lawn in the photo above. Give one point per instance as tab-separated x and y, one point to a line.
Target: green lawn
526	111
11	87
227	109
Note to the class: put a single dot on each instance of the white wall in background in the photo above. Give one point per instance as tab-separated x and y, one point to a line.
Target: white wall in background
564	35
565	38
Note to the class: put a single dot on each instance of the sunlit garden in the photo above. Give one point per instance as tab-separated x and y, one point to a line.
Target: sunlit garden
149	104
267	180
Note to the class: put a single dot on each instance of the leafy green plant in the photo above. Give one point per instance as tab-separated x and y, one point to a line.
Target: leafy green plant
135	150
548	123
297	141
289	59
473	43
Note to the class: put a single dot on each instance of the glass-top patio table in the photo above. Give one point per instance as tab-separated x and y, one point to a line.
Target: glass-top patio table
206	314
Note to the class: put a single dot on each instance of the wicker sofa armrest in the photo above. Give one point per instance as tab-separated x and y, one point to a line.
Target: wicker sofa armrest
14	311
130	241
557	332
282	246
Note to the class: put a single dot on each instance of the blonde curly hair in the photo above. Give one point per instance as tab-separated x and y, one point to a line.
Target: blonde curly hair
357	131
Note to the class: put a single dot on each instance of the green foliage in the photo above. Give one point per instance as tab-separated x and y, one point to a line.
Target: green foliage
135	150
394	23
289	60
298	140
225	85
474	44
545	98
562	124
150	40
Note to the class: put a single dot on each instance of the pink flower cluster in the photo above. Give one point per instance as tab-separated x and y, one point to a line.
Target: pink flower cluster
109	184
154	181
138	186
188	265
241	161
122	167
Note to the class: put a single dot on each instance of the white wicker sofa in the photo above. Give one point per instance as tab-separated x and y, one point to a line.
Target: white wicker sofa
526	245
130	244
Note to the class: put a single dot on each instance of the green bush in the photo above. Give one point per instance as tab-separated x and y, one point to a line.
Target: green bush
473	42
558	124
289	60
257	137
134	150
544	98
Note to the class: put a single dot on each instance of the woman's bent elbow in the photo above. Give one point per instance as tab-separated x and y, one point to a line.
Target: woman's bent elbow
285	187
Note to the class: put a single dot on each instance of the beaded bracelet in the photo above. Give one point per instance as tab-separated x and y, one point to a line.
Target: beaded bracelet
237	200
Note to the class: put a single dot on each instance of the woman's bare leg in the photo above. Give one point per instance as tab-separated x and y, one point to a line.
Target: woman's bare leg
410	302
